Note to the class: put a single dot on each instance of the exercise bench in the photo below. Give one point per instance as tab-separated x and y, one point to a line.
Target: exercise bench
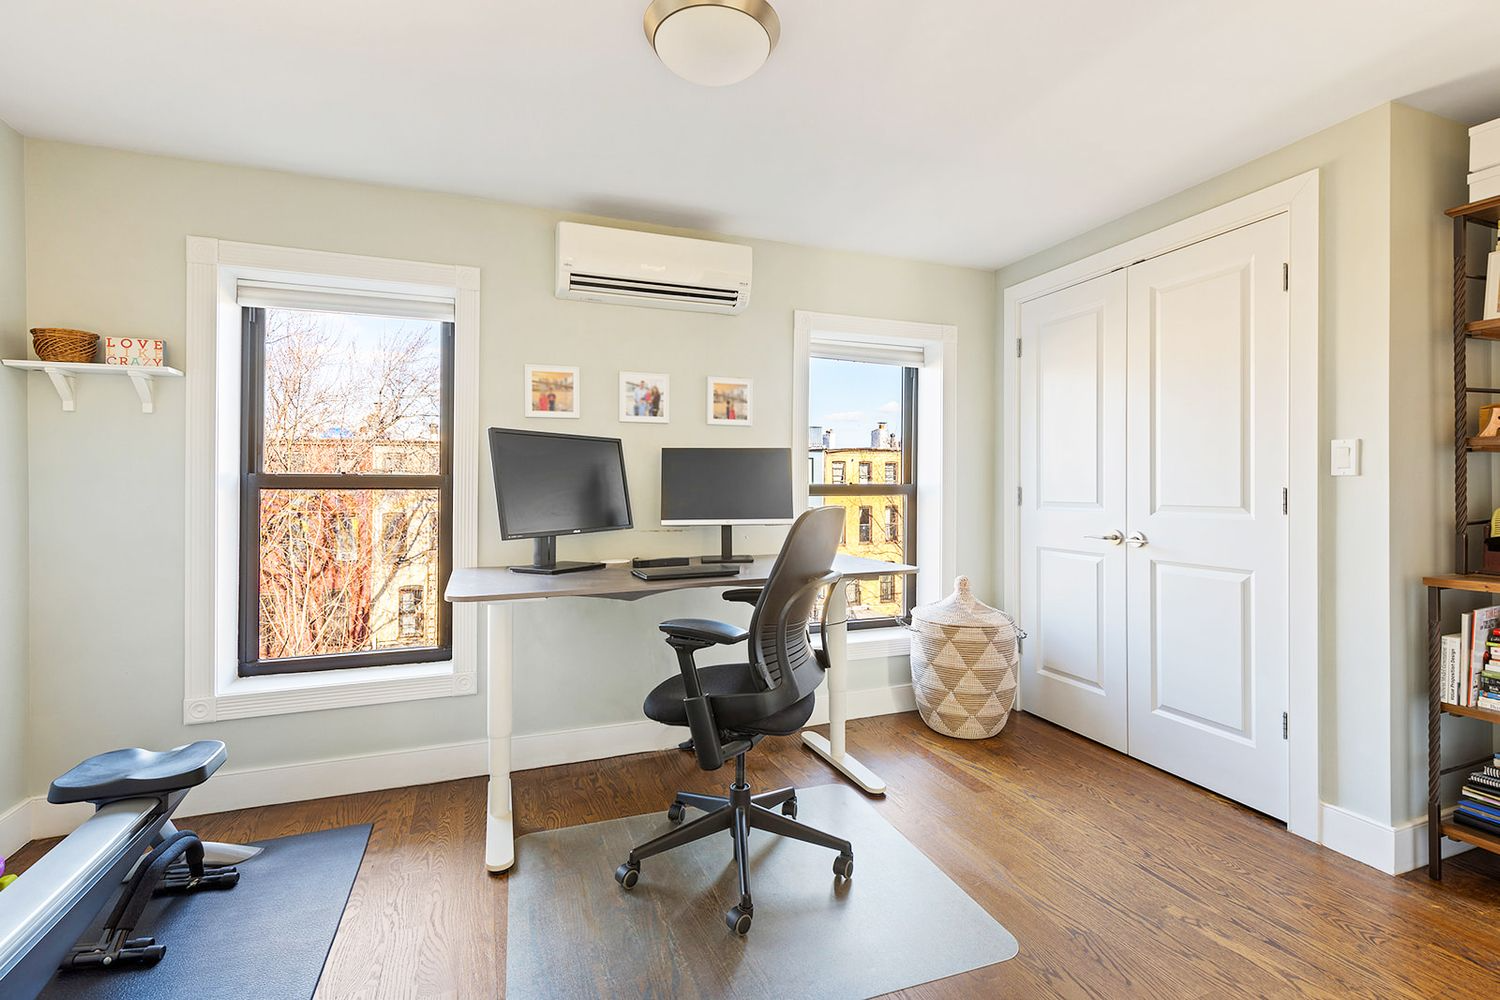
129	850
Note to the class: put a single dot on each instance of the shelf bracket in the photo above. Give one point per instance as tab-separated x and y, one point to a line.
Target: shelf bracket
142	385
64	385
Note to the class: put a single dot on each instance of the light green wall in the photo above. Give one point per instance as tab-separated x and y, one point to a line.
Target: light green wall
105	233
1368	581
13	668
1429	161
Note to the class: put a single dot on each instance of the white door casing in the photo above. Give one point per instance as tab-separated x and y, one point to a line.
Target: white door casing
1207	426
1072	452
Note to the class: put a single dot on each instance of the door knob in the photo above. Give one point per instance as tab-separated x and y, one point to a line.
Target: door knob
1136	539
1112	537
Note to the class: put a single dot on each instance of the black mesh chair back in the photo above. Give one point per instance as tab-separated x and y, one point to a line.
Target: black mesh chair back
780	650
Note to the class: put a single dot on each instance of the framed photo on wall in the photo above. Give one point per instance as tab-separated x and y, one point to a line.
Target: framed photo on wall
645	398
730	401
551	391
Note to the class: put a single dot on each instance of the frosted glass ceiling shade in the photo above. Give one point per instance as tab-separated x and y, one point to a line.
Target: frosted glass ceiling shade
712	43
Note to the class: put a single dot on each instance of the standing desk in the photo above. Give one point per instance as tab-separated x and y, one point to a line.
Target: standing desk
500	590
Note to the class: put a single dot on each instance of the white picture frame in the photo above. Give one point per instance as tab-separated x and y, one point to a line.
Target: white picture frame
1492	287
645	398
731	401
552	391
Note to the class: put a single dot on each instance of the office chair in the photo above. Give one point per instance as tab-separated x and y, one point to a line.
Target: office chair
730	707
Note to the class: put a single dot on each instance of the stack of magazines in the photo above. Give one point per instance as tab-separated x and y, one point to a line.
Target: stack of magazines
1479	803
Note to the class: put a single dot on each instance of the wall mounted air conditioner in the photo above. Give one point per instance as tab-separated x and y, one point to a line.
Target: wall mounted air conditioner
598	264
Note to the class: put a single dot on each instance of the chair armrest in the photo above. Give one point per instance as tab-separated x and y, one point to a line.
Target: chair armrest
743	595
704	630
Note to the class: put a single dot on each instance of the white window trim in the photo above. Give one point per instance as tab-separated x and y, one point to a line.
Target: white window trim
937	453
212	687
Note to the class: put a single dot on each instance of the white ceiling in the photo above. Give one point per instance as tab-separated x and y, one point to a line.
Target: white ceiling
967	131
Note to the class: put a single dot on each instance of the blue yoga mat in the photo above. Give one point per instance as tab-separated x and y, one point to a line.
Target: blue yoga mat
267	937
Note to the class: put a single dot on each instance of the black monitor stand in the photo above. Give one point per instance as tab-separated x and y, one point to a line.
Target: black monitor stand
726	549
544	560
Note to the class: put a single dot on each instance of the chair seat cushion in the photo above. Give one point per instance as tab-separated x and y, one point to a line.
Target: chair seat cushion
664	703
122	774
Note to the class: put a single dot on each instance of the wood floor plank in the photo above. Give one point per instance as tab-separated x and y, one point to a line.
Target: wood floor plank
1117	879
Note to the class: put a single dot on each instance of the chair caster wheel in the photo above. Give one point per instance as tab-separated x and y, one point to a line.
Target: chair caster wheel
738	920
843	866
789	808
675	812
628	874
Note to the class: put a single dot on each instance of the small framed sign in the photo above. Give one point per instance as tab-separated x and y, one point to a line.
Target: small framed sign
134	351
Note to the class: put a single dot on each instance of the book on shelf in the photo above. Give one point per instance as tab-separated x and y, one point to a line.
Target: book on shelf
1465	658
1448	669
1476	820
1488	797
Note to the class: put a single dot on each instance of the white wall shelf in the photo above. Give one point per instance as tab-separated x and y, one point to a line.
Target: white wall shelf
63	374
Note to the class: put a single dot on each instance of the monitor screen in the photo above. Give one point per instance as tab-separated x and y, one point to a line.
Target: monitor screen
726	485
558	484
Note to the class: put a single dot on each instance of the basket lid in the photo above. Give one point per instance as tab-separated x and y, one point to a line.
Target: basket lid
960	608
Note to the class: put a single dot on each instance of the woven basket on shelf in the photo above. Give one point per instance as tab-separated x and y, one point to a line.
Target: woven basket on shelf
963	665
53	343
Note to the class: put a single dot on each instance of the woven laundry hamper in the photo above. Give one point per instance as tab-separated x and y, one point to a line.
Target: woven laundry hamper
963	665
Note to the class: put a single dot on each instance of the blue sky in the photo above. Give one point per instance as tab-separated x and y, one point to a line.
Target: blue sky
851	397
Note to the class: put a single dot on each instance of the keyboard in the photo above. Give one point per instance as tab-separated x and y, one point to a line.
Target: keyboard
684	572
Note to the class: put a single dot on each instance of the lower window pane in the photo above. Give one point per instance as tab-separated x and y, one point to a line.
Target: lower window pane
348	571
874	528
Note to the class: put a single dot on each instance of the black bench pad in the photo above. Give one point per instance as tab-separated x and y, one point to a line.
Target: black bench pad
125	773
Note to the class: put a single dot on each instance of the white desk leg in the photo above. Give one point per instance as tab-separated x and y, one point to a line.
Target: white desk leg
835	632
499	840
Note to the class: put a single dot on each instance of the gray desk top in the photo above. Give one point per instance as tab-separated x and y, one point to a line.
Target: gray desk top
498	583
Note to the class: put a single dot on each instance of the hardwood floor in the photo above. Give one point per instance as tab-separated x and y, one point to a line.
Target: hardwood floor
1118	880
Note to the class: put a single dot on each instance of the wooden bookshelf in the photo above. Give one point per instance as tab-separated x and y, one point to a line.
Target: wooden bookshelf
1478	583
1486	213
1469	835
1465	445
1483	329
1472	713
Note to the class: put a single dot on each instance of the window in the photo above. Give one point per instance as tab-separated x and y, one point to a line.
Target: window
346	489
412	611
871	403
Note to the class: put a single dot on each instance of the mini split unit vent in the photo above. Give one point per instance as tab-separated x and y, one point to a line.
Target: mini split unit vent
597	264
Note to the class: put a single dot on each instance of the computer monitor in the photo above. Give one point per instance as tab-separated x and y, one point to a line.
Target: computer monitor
726	486
557	484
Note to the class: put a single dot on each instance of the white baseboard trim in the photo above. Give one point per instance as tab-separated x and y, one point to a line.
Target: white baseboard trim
569	746
247	788
15	828
1391	849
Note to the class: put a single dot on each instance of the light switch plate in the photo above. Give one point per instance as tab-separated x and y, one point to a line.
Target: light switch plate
1344	457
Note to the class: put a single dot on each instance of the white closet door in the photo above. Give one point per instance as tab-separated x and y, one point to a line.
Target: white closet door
1207	425
1073	493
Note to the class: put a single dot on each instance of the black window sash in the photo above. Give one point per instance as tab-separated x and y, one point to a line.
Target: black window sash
254	479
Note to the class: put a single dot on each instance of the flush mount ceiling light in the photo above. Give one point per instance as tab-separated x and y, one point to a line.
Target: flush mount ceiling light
712	42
